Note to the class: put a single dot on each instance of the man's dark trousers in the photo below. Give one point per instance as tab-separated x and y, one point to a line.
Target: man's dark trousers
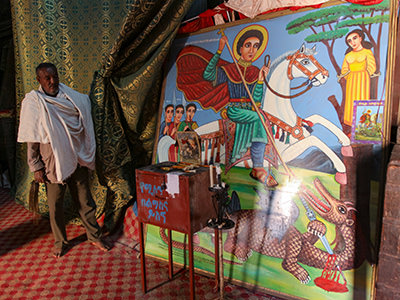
78	184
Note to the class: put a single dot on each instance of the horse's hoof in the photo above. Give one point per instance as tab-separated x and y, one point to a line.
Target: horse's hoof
347	151
341	178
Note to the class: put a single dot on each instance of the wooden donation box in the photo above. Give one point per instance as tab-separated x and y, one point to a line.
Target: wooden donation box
175	197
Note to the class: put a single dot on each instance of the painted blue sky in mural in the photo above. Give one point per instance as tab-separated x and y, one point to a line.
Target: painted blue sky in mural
315	101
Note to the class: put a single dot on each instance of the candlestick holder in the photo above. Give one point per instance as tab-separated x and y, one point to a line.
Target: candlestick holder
221	201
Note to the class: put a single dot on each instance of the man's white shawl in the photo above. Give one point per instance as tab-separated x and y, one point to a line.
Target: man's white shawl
68	129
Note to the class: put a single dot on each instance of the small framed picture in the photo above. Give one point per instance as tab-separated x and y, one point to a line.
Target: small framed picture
189	147
367	122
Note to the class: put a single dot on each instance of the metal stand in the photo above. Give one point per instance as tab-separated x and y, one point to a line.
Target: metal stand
220	195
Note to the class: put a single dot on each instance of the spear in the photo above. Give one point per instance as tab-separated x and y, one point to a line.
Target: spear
257	110
311	216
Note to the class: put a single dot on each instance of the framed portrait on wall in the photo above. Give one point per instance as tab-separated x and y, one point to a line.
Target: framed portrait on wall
278	101
367	122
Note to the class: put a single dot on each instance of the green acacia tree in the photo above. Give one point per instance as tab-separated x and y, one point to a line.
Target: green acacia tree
330	24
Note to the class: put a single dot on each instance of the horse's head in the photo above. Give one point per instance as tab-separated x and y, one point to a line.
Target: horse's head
303	64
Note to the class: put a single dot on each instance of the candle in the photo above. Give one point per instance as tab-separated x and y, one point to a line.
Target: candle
218	171
211	176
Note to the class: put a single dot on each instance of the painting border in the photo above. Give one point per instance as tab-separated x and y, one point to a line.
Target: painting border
389	71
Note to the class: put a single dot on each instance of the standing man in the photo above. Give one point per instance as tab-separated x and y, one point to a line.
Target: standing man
56	124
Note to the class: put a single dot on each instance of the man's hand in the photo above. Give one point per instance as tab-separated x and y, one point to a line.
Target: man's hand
166	128
39	176
222	42
263	73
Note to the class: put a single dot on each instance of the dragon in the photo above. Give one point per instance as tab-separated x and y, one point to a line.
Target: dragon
251	234
272	232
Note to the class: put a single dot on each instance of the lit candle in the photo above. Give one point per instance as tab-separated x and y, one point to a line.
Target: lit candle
211	176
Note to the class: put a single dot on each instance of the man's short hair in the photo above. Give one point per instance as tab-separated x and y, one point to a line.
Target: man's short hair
45	65
191	105
179	106
168	106
248	34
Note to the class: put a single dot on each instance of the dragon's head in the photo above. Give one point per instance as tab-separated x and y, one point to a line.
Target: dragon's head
329	208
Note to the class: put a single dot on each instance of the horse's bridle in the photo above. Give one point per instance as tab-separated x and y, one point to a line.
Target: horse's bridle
299	55
293	61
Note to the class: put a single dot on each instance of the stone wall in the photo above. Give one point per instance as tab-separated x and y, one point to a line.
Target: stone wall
388	276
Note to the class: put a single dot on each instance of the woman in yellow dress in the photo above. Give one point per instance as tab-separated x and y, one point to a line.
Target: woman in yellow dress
358	66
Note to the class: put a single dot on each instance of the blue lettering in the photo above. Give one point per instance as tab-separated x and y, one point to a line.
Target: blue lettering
142	186
156	208
148	188
157	216
151	214
151	189
155	204
148	203
159	189
163	215
166	205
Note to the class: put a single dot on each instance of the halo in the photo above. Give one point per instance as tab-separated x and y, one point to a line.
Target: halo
260	51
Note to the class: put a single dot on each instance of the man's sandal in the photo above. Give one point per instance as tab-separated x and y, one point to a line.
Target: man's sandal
101	245
58	252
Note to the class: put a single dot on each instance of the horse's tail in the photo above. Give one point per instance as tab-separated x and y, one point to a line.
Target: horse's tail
196	248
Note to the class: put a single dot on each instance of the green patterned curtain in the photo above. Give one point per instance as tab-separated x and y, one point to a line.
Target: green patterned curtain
75	36
7	93
125	97
125	91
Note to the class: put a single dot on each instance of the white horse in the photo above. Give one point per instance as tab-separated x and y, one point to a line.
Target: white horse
280	113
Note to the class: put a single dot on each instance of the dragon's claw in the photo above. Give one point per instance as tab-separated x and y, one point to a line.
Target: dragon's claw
246	256
307	280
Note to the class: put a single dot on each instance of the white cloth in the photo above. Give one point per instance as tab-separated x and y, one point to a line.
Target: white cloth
252	8
64	121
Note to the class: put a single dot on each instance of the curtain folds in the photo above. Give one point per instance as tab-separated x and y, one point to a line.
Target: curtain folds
125	89
7	95
74	35
125	97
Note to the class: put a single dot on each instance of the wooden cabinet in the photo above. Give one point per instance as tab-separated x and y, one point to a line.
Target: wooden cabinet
187	210
176	200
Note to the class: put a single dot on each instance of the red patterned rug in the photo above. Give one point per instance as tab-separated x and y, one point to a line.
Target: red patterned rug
29	271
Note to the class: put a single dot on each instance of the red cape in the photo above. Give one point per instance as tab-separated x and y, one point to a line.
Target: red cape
191	63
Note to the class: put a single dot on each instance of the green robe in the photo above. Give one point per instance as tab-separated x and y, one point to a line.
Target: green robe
249	127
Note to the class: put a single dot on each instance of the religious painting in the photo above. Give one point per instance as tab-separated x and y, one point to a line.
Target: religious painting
273	100
367	122
189	147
